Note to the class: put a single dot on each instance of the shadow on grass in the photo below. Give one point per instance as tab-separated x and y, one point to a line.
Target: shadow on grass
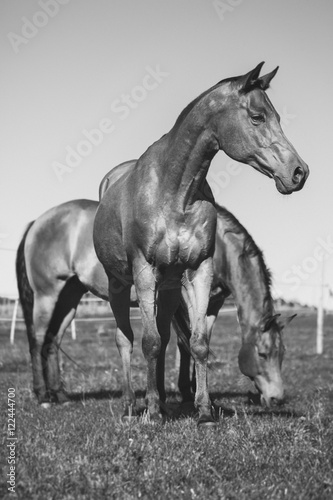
229	395
99	395
251	407
176	410
20	366
277	412
185	410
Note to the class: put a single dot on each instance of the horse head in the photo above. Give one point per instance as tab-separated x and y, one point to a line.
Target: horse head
261	359
247	128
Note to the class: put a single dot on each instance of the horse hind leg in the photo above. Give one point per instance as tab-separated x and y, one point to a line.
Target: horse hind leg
42	313
167	304
181	324
157	308
63	313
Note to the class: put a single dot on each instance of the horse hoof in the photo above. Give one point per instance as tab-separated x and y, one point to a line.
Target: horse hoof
62	398
206	421
155	418
66	403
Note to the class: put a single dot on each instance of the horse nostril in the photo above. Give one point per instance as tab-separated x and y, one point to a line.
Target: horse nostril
276	402
298	175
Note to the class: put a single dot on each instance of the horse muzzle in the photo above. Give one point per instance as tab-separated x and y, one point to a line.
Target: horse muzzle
296	181
271	393
270	402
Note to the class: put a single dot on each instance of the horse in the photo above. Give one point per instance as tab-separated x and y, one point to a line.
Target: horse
240	270
155	224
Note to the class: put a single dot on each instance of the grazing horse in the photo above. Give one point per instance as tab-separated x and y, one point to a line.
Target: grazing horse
240	270
155	224
56	264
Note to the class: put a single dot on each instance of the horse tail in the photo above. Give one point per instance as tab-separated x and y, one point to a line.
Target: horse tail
26	293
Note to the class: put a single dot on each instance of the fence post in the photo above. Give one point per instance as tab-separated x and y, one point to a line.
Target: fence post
12	328
320	312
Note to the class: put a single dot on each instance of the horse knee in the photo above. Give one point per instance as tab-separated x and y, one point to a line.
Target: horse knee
199	347
151	346
124	344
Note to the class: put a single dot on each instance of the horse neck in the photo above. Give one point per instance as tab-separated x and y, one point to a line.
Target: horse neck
248	280
182	156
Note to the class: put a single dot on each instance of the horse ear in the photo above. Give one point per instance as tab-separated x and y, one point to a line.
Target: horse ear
267	322
247	360
266	79
283	322
248	81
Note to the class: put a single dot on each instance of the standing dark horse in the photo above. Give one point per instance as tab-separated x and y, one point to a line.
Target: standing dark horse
156	225
58	256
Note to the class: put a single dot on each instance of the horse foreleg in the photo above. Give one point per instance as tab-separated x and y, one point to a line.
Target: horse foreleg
146	290
201	285
120	304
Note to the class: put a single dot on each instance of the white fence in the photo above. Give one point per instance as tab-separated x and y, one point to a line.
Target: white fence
14	319
135	316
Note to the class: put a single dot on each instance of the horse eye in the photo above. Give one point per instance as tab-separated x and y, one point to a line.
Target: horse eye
256	119
262	355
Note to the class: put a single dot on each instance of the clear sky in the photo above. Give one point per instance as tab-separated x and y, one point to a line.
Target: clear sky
128	68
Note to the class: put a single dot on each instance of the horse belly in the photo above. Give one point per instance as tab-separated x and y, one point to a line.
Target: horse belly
91	273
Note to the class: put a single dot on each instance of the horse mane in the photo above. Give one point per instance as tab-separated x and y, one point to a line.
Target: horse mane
256	84
193	103
250	250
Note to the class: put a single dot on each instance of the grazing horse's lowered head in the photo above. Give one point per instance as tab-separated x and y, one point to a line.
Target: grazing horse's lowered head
252	128
260	358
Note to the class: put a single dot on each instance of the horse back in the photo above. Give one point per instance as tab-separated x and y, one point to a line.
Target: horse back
59	243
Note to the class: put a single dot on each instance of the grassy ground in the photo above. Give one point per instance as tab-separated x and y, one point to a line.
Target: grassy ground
84	451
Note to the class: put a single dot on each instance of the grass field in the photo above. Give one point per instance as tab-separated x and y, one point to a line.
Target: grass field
83	450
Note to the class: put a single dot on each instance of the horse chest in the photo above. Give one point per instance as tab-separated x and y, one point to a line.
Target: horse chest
187	241
195	244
